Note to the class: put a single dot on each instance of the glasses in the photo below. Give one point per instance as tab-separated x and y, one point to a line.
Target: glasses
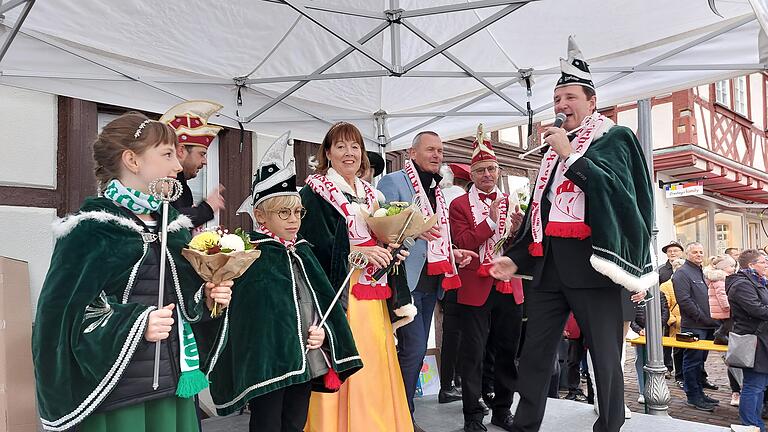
285	213
491	170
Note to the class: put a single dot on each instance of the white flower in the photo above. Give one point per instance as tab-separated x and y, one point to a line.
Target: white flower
232	241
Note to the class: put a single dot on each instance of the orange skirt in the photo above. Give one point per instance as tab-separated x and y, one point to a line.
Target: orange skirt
373	399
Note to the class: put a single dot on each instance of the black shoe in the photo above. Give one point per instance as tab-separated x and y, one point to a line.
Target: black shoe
474	425
680	384
711	401
416	428
484	406
700	405
449	395
576	395
708	385
503	420
764	412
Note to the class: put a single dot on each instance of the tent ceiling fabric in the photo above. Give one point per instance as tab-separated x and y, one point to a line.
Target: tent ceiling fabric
150	55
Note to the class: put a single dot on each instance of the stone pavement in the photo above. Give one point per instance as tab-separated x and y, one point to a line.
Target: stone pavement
724	415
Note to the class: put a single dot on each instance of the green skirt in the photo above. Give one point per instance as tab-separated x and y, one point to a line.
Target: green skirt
161	415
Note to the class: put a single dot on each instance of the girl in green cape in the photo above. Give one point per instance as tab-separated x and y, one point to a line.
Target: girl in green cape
97	318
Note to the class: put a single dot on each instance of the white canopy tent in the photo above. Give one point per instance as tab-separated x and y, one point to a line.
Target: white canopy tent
392	67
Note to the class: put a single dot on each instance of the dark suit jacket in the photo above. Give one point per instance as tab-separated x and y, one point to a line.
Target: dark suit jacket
568	256
665	272
199	214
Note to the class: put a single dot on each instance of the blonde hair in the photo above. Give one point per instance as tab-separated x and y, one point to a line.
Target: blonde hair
676	264
119	135
721	262
278	202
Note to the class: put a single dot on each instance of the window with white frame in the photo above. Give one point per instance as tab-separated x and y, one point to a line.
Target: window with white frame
723	93
740	95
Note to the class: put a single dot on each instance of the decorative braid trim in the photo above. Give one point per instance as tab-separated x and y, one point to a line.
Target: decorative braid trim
108	382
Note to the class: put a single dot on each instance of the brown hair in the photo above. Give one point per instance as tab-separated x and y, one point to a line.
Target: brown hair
119	135
748	256
341	131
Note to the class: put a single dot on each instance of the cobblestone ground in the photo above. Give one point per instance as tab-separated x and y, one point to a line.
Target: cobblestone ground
724	415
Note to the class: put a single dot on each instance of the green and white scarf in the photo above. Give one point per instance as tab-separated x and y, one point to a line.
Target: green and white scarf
192	380
132	199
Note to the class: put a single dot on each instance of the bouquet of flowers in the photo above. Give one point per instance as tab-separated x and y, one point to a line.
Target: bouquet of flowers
218	256
396	220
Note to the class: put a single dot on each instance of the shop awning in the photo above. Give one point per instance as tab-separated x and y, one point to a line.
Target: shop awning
722	175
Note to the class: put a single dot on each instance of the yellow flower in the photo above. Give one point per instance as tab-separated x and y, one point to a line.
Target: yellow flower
204	241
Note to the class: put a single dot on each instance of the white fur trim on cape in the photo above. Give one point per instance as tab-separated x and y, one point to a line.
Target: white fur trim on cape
64	226
621	277
407	312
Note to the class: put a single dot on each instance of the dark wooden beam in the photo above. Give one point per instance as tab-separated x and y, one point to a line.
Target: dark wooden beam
78	128
235	171
28	197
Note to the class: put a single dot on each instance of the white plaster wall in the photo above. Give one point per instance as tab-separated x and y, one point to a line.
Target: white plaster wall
27	236
756	108
628	118
32	117
662	125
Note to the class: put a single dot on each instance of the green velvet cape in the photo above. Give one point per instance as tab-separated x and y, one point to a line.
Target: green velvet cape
85	332
620	209
264	350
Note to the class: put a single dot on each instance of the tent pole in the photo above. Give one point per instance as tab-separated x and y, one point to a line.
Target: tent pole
410	26
380	117
393	16
16	26
656	391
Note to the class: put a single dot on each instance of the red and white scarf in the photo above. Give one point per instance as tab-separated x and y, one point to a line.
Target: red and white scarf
566	215
439	251
329	187
287	243
480	211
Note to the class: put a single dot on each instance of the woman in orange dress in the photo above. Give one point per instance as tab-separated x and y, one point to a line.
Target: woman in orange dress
374	398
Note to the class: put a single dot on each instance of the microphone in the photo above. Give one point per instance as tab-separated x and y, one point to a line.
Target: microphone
407	244
559	120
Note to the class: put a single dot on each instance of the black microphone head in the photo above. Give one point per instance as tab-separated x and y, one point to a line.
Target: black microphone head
408	243
559	120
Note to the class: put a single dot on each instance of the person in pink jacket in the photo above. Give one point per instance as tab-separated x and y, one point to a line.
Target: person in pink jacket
715	274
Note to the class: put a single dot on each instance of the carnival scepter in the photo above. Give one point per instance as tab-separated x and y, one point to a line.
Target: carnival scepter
165	189
357	260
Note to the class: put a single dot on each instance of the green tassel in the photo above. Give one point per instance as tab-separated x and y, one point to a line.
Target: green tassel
191	383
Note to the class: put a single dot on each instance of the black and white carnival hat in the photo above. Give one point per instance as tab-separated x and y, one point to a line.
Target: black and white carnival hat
273	177
575	71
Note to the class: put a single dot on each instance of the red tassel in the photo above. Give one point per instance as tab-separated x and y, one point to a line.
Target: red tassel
331	380
504	287
451	282
438	268
484	270
370	292
536	249
578	230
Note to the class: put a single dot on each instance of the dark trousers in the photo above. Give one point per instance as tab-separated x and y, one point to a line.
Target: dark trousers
668	361
498	322
489	360
412	341
677	359
693	365
283	410
449	349
576	353
599	315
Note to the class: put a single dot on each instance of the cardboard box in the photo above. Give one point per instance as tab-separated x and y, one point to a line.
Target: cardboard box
18	412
